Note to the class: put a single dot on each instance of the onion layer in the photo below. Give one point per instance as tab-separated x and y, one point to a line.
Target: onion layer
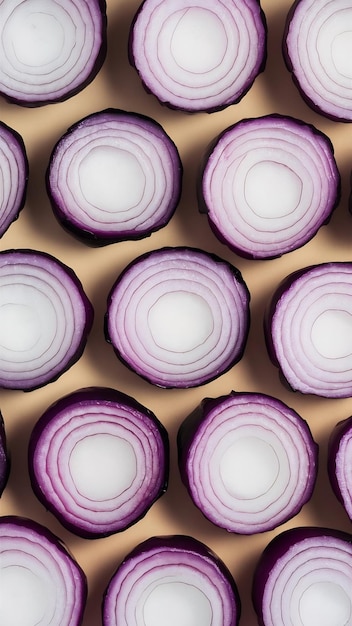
45	318
4	457
173	580
268	184
179	317
340	463
98	460
249	462
114	176
198	55
13	176
41	583
304	577
309	328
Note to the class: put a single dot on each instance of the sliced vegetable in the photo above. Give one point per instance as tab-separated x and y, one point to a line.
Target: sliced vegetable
179	317
174	580
248	461
317	50
114	176
268	185
41	582
198	56
340	463
4	457
45	318
309	329
304	577
50	49
13	176
98	460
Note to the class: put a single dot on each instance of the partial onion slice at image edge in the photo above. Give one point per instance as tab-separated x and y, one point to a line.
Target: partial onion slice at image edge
13	176
5	460
340	463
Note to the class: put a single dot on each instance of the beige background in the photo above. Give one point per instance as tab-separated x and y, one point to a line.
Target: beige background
117	85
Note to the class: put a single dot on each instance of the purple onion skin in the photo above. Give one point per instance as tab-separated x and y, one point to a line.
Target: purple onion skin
12	137
5	462
341	430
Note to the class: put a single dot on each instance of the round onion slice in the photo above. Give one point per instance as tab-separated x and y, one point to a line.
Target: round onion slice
179	317
13	176
98	460
173	580
317	50
4	457
40	581
268	185
50	49
304	577
340	463
309	330
45	318
114	176
248	461
199	55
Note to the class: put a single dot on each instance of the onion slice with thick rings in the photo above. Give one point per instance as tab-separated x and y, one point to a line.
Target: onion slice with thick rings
268	184
304	576
308	330
174	580
179	317
114	176
5	462
98	460
249	462
317	49
45	318
50	49
198	55
13	176
41	583
340	463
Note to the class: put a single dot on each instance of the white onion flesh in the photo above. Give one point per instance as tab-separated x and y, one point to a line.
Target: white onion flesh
340	463
13	176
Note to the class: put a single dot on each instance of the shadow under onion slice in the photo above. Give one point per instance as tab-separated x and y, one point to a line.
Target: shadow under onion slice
13	176
178	317
304	576
45	318
98	460
268	184
4	457
41	583
340	463
308	330
198	55
174	580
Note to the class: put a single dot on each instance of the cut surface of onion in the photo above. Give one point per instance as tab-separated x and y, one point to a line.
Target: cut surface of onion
114	175
198	55
98	460
179	317
268	185
174	580
304	577
308	330
4	457
248	461
41	583
50	49
13	176
340	463
45	318
317	48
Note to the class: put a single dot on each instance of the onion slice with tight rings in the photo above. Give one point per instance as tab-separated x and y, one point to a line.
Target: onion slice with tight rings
5	462
178	317
268	184
174	580
13	176
98	460
45	318
340	463
249	462
198	55
114	176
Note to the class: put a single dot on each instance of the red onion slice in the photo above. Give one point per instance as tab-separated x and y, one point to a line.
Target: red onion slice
340	463
317	50
309	328
4	457
179	317
41	583
13	176
45	319
114	176
98	460
268	185
198	55
50	49
248	461
174	580
304	577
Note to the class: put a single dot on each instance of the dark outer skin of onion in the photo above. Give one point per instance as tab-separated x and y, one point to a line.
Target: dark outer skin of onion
338	432
22	147
5	462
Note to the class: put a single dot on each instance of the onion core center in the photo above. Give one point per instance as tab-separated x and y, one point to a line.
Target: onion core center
20	327
341	52
325	604
272	190
332	334
177	604
31	592
37	38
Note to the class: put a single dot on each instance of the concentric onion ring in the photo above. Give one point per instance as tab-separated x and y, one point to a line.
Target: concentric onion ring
13	176
340	463
198	55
